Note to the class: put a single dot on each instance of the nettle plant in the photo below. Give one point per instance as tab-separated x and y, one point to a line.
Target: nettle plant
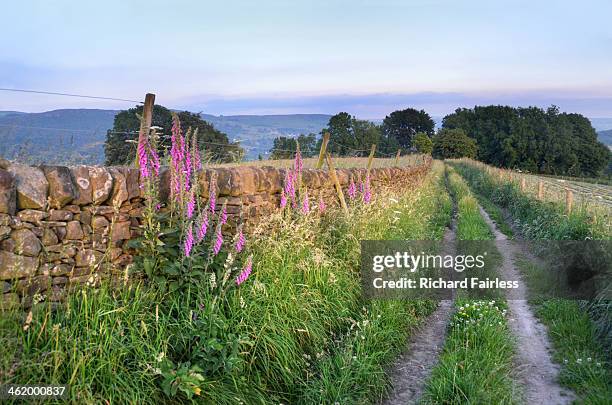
182	242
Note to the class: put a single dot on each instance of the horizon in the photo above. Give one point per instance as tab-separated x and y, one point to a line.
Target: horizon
366	58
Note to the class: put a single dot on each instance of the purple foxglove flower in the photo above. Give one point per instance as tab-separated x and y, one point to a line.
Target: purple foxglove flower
213	194
352	190
201	232
223	215
142	159
283	200
191	205
322	206
246	271
188	245
298	163
218	242
305	205
240	242
155	161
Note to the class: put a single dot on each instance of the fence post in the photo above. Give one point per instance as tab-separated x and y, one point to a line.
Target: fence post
569	201
397	156
334	177
145	122
323	150
540	190
523	184
371	158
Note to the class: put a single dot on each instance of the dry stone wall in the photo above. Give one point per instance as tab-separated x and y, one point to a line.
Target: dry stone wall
67	226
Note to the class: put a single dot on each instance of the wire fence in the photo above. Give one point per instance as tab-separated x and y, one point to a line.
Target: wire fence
553	189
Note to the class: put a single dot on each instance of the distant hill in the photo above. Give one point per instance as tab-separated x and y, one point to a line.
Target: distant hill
257	132
59	136
77	135
605	137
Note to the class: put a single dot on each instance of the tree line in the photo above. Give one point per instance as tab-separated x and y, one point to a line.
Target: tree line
530	139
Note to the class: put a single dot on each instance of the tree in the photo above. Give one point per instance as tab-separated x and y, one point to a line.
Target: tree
403	125
349	136
533	139
423	143
120	145
453	144
285	147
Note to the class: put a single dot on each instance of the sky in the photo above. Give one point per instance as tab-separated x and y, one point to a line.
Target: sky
277	56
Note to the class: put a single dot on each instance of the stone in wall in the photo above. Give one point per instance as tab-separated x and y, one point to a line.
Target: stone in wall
61	189
32	186
83	187
101	183
119	193
14	266
8	193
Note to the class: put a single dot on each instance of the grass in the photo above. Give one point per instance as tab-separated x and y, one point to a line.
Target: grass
496	215
285	336
536	219
576	331
475	366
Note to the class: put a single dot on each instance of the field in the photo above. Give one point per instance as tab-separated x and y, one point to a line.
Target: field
278	315
310	163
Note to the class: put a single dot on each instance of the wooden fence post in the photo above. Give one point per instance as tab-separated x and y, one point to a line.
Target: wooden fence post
334	177
540	190
145	123
323	150
397	156
371	158
569	201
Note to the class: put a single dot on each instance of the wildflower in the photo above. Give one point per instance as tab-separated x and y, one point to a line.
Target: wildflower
289	188
213	193
579	361
212	281
240	242
352	190
176	155
367	192
191	204
188	244
201	232
155	160
197	162
283	201
218	241
223	215
298	164
321	204
305	205
246	271
142	158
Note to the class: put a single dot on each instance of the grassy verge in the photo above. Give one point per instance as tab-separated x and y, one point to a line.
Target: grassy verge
536	219
496	215
577	345
476	363
352	371
297	331
575	332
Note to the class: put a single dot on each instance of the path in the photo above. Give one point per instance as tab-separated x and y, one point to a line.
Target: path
536	371
411	370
